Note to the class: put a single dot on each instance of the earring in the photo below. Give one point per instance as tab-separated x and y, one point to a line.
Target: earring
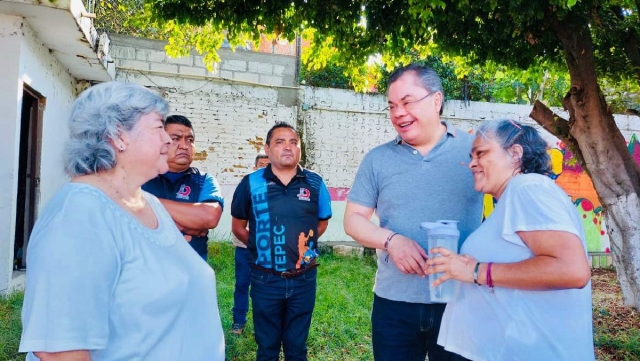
121	148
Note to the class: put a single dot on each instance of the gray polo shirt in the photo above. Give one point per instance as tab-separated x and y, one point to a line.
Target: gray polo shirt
405	189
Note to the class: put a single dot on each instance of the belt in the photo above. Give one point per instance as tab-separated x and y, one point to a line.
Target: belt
288	273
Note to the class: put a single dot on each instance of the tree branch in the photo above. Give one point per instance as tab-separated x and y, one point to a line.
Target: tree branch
550	121
557	126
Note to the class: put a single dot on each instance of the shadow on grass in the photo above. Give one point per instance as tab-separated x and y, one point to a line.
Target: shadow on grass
340	328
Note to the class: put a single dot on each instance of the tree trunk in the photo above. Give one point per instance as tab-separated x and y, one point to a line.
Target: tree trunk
592	134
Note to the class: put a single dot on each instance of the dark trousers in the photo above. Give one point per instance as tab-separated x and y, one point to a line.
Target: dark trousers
407	331
282	309
241	292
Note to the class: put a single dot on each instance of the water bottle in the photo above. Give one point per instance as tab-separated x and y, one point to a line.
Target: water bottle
443	234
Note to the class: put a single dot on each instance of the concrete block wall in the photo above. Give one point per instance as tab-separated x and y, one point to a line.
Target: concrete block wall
135	54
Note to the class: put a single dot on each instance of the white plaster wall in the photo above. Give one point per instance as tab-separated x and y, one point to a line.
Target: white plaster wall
10	41
45	74
231	119
25	60
231	123
340	128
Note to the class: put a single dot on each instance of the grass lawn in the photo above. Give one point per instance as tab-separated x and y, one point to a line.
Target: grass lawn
340	329
341	326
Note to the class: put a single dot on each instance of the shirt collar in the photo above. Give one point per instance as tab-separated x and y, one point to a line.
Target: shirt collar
450	130
190	170
268	172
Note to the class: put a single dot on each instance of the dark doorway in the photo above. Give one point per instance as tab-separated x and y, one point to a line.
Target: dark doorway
33	105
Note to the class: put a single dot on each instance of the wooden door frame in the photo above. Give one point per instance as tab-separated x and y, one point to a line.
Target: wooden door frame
34	154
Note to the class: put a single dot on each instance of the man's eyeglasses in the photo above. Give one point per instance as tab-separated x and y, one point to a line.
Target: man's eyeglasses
406	105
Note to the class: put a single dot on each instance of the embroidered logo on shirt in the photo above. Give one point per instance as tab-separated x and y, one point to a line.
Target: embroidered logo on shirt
184	192
304	195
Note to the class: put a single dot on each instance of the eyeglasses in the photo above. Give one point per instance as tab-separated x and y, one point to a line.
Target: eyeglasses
406	105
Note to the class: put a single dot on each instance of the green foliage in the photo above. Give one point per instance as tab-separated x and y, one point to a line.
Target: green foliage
341	328
515	34
331	76
10	326
114	16
623	345
451	84
492	82
343	36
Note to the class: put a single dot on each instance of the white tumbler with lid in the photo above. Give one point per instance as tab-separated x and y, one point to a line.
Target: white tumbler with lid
445	234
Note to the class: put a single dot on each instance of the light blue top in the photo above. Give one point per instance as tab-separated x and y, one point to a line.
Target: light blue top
407	189
512	324
99	280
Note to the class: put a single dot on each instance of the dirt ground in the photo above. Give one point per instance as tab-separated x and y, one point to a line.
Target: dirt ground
610	317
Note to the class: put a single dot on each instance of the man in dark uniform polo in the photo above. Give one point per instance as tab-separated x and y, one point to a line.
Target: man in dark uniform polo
192	198
287	209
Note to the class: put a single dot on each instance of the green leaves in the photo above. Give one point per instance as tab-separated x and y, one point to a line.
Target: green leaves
482	39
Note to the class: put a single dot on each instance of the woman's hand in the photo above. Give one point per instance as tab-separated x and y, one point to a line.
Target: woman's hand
451	265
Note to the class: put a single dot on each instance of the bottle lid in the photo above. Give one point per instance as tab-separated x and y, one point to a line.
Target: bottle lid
441	227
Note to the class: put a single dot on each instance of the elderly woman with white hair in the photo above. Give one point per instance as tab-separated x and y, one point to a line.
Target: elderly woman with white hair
524	292
110	276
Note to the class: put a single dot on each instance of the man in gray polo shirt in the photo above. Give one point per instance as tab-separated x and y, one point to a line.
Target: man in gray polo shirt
421	176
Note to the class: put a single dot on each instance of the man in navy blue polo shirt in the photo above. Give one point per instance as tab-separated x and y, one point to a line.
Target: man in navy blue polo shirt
192	198
287	209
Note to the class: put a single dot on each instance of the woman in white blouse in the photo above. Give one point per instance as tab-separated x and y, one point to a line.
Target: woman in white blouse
525	292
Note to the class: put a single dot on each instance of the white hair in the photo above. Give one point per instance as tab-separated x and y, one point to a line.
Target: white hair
98	115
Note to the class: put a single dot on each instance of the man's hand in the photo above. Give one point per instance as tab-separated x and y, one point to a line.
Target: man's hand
201	216
240	229
407	255
191	231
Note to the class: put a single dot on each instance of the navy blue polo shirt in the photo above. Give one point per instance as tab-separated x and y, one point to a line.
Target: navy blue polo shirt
283	220
190	186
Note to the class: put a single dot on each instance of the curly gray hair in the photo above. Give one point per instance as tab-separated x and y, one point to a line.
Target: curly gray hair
98	115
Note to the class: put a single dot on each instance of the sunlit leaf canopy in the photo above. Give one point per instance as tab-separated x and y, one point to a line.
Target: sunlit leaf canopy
483	39
509	32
